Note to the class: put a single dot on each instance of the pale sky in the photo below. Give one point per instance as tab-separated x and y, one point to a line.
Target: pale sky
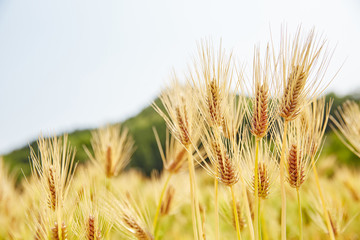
71	64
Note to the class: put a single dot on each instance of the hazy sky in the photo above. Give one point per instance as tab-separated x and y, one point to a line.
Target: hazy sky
78	64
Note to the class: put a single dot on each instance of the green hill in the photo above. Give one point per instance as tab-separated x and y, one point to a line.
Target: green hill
146	156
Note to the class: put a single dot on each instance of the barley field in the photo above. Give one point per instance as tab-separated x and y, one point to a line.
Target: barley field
242	159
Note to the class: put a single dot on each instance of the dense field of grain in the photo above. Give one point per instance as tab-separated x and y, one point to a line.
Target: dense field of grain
241	160
341	190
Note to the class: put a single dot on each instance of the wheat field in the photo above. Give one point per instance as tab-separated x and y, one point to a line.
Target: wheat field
241	160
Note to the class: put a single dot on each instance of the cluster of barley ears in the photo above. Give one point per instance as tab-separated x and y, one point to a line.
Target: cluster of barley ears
232	144
248	146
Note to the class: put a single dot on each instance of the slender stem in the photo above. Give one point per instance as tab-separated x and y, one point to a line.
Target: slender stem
192	193
155	222
248	211
259	206
282	184
256	190
263	225
236	216
107	234
195	196
300	215
216	186
323	203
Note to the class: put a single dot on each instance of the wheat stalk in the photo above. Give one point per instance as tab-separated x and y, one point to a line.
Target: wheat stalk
303	63
180	115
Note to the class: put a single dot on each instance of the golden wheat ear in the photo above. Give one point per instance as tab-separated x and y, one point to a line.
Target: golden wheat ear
313	121
296	172
212	76
175	155
223	155
89	223
54	167
113	147
179	112
264	92
303	65
268	167
168	201
227	213
346	125
298	161
339	213
129	219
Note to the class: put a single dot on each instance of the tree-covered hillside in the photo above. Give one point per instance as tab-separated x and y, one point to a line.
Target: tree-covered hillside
146	156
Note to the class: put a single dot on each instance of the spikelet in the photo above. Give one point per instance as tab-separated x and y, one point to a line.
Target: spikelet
313	122
338	214
297	160
303	63
182	120
91	231
64	233
264	181
175	155
40	223
113	148
59	233
212	75
168	200
291	102
54	169
228	173
88	221
224	158
262	114
52	188
55	232
350	179
38	234
259	124
179	111
268	167
295	167
233	118
346	122
226	211
128	218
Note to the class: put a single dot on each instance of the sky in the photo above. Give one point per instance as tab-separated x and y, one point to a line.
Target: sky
67	65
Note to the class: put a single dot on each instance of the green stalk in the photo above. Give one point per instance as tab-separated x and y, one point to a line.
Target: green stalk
192	193
248	212
282	184
194	197
323	203
300	215
263	225
216	186
236	216
256	190
259	206
155	222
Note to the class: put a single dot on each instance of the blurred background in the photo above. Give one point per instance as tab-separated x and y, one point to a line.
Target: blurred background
72	66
